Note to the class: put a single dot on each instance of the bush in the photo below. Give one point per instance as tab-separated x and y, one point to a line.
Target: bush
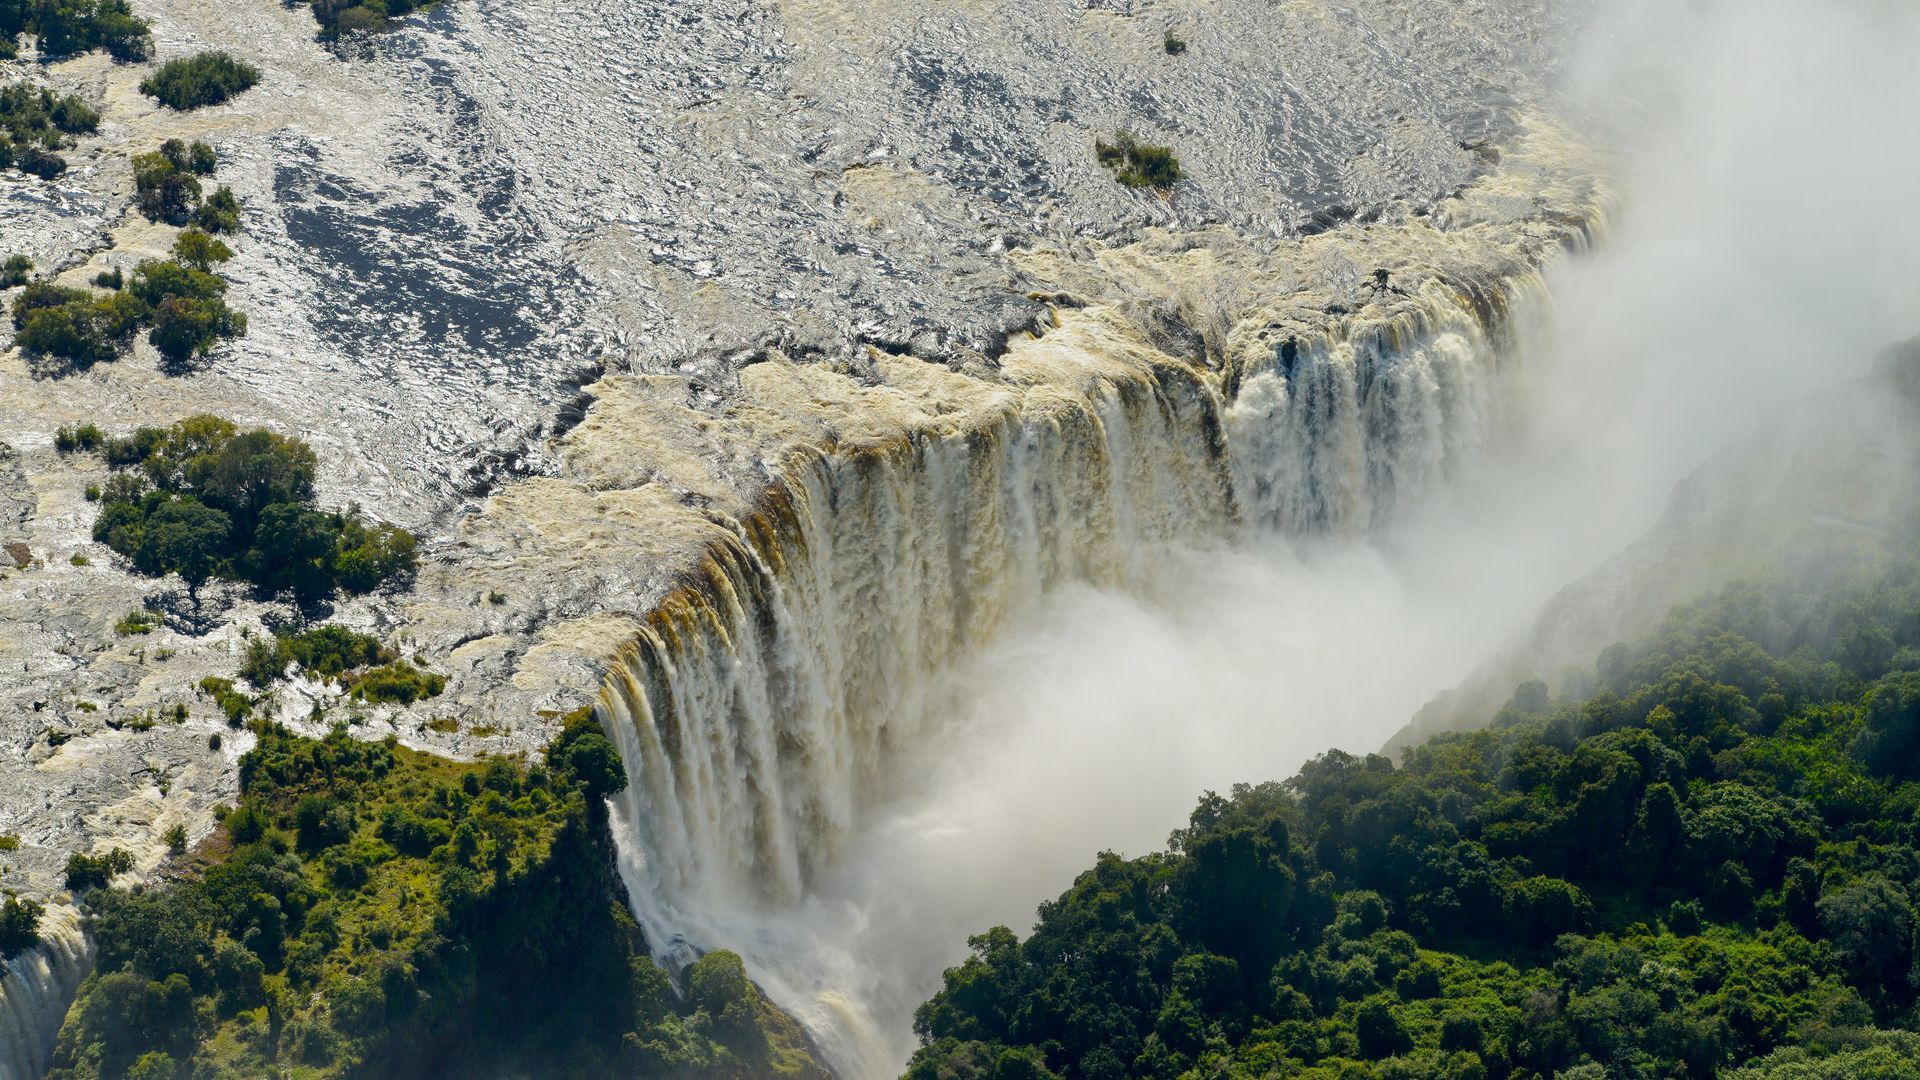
209	500
1136	164
34	123
66	27
73	331
167	187
87	436
337	17
397	683
86	872
207	78
220	213
235	704
184	327
15	271
19	927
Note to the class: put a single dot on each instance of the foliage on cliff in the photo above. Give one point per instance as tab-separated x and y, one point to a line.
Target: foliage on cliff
1709	863
369	910
203	499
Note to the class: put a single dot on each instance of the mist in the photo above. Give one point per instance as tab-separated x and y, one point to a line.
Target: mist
1766	249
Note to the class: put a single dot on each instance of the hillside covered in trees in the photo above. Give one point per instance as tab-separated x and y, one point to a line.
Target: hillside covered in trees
371	911
1703	864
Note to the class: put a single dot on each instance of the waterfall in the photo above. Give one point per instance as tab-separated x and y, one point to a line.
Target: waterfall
759	709
762	709
34	994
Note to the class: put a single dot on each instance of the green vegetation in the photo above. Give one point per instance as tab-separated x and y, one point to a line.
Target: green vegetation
86	872
87	436
19	927
235	704
1137	164
338	17
1174	46
65	27
167	183
136	622
204	499
1703	865
207	78
369	670
16	271
34	123
381	912
177	299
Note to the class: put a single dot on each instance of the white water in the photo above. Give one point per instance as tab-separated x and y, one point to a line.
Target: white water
807	732
926	783
34	995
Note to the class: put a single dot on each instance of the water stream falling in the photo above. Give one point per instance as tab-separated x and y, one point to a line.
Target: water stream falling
779	716
35	991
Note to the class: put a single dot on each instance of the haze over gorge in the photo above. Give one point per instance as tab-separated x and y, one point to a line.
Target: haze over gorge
795	480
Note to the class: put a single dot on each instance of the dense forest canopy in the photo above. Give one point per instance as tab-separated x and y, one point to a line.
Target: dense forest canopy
372	911
1705	867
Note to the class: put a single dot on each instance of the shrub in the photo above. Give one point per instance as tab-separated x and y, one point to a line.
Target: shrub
41	163
235	704
87	436
1137	164
220	213
337	17
166	189
72	331
74	325
397	683
19	927
176	838
34	123
110	278
76	26
184	327
86	872
195	248
1173	45
208	499
15	271
207	78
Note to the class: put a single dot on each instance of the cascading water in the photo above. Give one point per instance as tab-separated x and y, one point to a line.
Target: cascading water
765	709
35	992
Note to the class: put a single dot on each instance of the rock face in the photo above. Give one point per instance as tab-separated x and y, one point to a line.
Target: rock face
566	287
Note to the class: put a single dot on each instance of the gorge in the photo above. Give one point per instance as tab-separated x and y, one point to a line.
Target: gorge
918	510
